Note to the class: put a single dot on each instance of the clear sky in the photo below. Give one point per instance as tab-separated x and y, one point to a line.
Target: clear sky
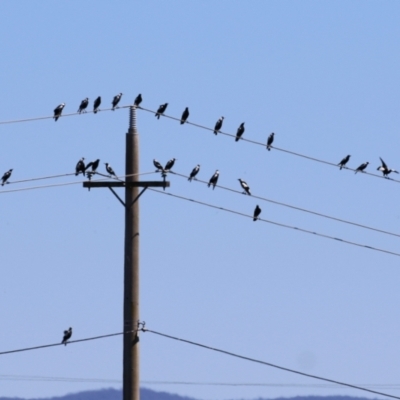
324	76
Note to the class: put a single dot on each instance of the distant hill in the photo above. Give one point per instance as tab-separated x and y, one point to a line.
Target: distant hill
109	394
147	394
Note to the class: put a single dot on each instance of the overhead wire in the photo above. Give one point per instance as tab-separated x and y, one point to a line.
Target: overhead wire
291	206
36	378
272	147
278	223
71	183
15	121
62	344
254	360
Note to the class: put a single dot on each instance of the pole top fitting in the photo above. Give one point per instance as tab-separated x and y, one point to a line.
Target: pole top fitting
132	118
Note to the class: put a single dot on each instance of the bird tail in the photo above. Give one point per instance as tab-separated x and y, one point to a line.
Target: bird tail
95	111
215	132
190	179
237	139
268	148
209	185
255	218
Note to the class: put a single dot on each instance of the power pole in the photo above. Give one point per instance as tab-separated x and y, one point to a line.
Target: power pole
131	377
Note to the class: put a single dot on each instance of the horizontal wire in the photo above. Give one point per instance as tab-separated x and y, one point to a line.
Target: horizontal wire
62	344
71	183
40	178
293	207
269	364
299	385
61	116
279	224
272	147
35	378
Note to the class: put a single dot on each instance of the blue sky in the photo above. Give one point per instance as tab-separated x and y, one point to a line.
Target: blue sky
324	76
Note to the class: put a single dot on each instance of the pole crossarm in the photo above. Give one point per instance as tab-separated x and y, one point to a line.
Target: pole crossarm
112	184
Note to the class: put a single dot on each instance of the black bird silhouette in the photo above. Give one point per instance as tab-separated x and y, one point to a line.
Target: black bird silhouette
96	104
84	104
169	165
58	111
158	166
116	100
214	179
245	186
94	165
270	141
138	100
109	169
344	161
385	170
80	167
161	110
362	167
239	132
257	212
194	172
6	176
185	115
67	336
218	125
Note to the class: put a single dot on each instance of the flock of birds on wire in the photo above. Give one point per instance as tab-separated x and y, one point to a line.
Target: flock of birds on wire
218	125
82	168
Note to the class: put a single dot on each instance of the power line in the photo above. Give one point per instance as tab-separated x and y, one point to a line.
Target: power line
67	183
15	121
269	364
273	147
278	223
35	378
41	178
61	344
294	207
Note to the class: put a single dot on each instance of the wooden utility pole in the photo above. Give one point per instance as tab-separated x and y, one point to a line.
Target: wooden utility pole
131	265
131	378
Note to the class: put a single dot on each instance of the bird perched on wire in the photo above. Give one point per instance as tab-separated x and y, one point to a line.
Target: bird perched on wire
185	115
257	212
245	186
109	169
84	104
345	160
58	111
270	141
239	132
67	336
158	166
5	177
385	170
96	104
138	100
80	167
362	167
218	125
194	172
116	100
161	110
169	165
214	179
94	165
